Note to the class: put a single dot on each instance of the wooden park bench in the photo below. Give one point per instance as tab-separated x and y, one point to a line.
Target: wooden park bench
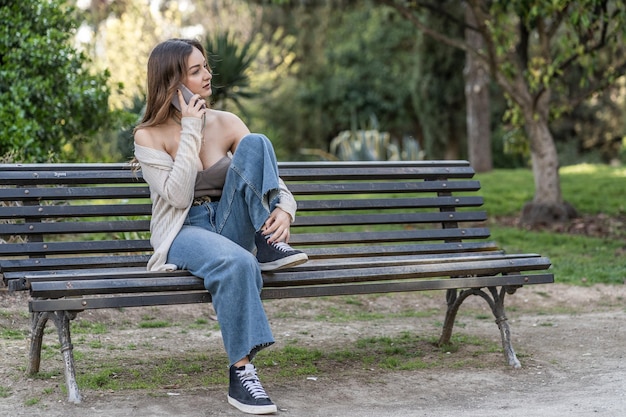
75	236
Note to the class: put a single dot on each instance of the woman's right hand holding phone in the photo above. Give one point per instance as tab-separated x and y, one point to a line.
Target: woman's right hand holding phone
195	108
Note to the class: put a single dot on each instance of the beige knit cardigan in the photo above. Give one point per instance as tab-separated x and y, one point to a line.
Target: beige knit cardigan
171	189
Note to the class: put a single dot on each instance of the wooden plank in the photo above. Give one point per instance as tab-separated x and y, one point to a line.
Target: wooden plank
335	171
407	249
133	208
351	219
405	286
74	193
67	227
75	248
141	281
138	300
283	165
409	271
68	177
12	266
389	203
139	271
360	238
65	211
18	268
371	187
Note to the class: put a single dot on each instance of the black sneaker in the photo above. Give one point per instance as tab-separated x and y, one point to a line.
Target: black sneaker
277	255
246	393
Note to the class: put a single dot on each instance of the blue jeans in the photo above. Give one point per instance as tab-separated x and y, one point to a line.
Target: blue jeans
216	241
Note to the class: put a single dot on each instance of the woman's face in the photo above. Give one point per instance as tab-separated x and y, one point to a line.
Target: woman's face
198	77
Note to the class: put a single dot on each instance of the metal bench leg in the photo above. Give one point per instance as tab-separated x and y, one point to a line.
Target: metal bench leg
505	332
496	302
454	302
37	325
62	321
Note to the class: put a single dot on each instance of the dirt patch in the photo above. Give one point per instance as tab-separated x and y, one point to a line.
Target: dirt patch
569	339
593	225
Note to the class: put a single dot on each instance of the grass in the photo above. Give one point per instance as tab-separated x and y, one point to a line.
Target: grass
579	260
576	259
403	352
591	189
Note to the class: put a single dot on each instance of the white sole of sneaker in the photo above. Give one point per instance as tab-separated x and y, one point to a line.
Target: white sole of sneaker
252	409
286	262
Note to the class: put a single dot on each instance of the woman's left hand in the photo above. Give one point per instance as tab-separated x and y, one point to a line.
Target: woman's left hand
277	225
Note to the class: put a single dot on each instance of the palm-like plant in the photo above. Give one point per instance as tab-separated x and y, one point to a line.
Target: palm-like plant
230	62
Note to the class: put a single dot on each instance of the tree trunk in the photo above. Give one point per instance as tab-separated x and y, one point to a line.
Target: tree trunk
477	101
547	206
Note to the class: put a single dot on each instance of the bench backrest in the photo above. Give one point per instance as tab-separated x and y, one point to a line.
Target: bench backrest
98	215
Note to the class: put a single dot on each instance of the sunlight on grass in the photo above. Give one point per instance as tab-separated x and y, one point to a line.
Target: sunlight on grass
593	169
576	259
591	189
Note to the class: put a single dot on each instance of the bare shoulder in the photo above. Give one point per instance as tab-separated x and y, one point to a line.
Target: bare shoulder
158	137
144	137
229	125
225	118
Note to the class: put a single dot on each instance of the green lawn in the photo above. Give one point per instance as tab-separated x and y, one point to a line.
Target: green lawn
576	259
591	189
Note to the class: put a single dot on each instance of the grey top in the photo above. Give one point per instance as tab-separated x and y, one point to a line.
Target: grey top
211	180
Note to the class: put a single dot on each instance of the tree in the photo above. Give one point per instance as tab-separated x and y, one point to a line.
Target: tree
339	78
230	62
48	97
530	47
477	95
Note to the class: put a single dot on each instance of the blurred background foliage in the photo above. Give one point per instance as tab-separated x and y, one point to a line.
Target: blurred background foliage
312	75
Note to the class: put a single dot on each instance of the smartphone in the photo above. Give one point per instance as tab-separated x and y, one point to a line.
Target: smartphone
187	94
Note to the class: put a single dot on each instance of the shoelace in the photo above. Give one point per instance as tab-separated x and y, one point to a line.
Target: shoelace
251	382
282	246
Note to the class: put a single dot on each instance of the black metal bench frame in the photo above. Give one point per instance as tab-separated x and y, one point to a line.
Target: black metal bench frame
76	239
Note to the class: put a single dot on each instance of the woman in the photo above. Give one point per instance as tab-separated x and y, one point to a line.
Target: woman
216	197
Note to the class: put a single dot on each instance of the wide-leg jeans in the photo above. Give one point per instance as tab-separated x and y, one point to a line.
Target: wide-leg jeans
216	243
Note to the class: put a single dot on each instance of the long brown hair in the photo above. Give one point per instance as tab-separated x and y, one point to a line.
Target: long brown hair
167	66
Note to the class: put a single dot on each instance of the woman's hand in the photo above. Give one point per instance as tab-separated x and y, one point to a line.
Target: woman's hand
277	225
195	108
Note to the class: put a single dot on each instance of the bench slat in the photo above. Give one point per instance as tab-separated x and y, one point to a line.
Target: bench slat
25	178
315	239
302	172
513	280
388	204
370	187
17	268
64	211
335	171
138	272
74	248
393	218
285	165
358	238
146	282
138	300
68	227
74	193
117	226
